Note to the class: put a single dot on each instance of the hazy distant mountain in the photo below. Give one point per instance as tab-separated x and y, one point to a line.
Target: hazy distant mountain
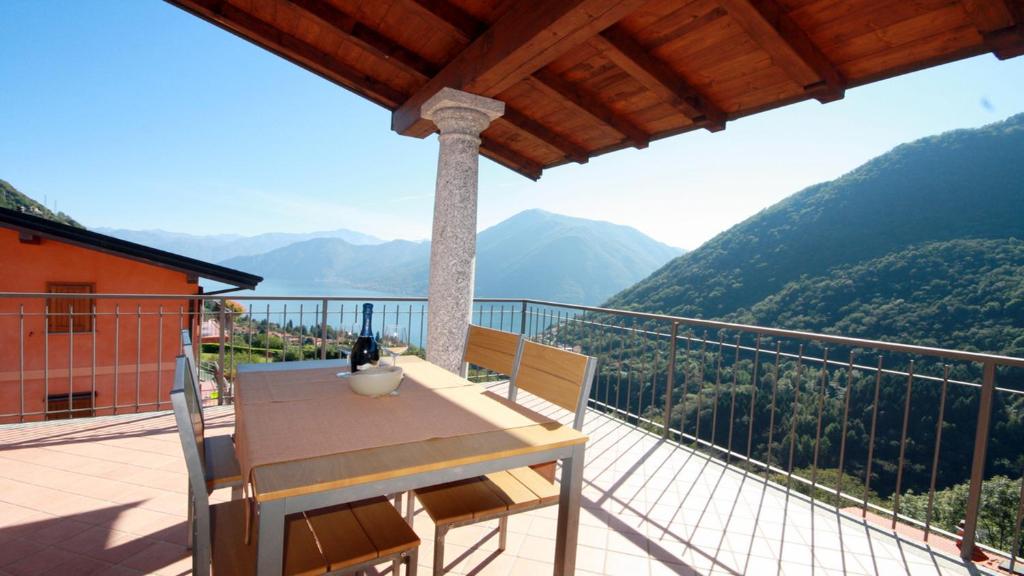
12	199
537	254
534	254
332	264
216	247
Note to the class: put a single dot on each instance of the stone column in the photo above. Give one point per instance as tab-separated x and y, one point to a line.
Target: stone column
460	117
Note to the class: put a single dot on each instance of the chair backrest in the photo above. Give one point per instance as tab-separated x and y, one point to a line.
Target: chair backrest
559	376
495	350
193	362
188	416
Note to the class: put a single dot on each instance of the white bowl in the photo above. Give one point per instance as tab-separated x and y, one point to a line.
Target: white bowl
376	381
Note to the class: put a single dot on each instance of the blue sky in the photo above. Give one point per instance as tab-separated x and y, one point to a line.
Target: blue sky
134	114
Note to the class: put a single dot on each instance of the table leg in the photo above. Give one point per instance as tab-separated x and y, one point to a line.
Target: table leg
569	513
270	538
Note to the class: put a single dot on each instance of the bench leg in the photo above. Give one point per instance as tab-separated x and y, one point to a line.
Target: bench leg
412	562
410	502
439	534
502	533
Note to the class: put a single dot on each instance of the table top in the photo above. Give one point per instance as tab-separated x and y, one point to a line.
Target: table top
438	421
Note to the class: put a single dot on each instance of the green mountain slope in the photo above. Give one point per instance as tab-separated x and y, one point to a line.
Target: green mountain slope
534	254
962	184
12	199
955	294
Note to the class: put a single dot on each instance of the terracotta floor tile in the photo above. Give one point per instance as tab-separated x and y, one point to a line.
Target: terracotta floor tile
82	566
16	549
107	496
103	543
44	561
157	557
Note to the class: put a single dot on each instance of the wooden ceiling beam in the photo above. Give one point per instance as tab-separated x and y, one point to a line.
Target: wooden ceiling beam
788	45
468	28
268	36
528	37
364	36
509	158
446	14
618	46
418	67
1000	23
524	123
555	85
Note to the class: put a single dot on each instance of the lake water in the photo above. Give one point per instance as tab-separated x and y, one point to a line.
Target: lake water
344	309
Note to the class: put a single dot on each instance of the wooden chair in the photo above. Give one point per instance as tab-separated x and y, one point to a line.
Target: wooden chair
498	351
494	350
337	540
558	376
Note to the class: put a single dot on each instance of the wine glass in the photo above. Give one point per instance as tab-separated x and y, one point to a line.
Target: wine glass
395	339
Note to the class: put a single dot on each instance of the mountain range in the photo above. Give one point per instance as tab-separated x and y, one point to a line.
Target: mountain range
921	244
534	254
217	247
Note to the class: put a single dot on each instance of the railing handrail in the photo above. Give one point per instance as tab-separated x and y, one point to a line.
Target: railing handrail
979	357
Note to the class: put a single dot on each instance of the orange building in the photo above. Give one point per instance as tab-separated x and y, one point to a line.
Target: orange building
80	353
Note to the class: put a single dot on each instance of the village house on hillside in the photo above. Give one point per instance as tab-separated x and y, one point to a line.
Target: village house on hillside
68	362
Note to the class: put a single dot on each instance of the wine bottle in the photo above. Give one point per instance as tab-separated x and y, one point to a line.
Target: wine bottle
364	351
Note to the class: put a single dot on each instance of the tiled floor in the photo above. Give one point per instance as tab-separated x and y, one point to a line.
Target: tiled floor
107	496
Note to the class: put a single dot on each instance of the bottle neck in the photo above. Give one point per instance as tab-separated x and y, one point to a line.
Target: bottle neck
367	329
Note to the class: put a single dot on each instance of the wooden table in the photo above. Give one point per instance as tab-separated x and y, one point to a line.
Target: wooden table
287	487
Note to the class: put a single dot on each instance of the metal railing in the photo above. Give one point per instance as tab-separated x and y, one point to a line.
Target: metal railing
849	422
871	426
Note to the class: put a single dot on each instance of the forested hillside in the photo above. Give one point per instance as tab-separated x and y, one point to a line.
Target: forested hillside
12	199
966	294
962	184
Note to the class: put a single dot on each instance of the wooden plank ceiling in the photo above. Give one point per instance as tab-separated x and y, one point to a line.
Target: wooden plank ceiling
584	77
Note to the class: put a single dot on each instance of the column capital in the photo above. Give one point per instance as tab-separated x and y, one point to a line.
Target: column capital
457	112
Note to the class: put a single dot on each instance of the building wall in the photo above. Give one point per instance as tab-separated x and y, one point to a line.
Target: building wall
129	357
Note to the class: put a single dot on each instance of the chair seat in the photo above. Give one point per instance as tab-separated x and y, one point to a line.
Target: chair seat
375	529
232	556
323	540
222	468
486	497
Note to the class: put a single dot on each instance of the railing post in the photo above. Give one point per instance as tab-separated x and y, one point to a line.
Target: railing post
670	380
978	464
323	331
220	353
522	319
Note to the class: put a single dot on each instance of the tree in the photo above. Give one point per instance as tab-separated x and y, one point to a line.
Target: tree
1000	497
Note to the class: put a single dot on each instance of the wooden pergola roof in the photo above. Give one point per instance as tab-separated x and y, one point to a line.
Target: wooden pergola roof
584	77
